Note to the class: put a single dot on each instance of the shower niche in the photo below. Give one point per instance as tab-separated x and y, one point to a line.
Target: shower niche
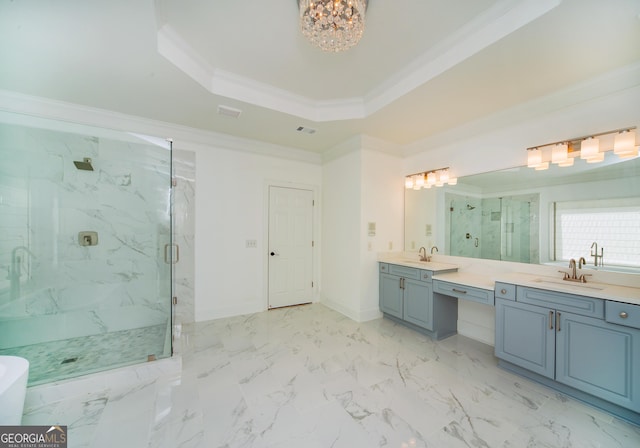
85	214
88	238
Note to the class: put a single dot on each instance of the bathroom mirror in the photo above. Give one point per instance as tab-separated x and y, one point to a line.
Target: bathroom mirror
529	216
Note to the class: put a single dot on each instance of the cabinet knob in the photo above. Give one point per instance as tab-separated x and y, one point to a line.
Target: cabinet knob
503	291
623	314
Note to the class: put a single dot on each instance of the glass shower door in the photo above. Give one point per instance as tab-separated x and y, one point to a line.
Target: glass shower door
85	238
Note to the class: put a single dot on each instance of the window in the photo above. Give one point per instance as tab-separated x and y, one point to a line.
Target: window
613	224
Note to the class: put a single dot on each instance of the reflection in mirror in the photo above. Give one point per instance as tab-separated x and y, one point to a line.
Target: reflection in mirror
530	216
496	228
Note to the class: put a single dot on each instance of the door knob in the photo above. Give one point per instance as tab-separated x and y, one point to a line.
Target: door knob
273	254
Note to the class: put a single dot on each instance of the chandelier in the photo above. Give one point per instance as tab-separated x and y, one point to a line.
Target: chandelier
332	25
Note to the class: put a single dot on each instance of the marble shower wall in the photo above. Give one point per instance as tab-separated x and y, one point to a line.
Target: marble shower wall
123	281
184	171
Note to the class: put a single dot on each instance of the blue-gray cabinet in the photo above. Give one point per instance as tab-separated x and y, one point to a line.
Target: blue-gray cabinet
524	336
574	341
391	295
406	296
418	303
599	358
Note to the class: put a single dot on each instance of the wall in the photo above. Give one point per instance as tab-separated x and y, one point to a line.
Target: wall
382	188
231	208
341	198
596	106
362	184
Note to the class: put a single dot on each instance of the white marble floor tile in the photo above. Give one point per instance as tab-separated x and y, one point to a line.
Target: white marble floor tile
310	377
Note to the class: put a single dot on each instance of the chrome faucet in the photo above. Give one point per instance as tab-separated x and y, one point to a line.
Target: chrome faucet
595	255
432	249
573	276
423	254
572	266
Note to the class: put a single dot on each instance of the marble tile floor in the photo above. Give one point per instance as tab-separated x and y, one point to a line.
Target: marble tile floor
309	377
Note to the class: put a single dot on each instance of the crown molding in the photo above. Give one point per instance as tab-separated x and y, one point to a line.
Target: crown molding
183	137
502	19
176	50
497	22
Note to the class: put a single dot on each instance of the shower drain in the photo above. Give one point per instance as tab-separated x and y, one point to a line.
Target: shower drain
69	360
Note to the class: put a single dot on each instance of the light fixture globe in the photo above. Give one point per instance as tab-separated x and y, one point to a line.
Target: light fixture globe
332	25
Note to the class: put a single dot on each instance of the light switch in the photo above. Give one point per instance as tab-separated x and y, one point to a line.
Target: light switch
371	228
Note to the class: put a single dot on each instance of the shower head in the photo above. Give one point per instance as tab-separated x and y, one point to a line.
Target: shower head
470	207
85	165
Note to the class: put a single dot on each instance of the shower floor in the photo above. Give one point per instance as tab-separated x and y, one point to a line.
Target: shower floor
58	360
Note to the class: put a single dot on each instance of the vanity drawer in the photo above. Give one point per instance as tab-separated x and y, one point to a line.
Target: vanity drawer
571	303
622	313
404	271
505	291
464	292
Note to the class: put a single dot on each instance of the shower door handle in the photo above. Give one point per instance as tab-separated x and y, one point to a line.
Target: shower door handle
168	258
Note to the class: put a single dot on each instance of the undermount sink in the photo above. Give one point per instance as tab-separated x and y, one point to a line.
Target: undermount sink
567	284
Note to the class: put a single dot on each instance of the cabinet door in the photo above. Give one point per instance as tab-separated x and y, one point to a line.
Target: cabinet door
599	358
390	295
418	303
525	336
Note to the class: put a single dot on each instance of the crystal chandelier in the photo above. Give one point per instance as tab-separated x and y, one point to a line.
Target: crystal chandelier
332	25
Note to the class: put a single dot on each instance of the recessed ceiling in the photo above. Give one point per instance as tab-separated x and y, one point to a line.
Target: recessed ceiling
421	68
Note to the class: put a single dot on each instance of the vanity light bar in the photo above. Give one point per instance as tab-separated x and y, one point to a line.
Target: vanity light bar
588	148
428	179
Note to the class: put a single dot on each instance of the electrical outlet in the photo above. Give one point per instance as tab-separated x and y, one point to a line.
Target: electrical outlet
252	244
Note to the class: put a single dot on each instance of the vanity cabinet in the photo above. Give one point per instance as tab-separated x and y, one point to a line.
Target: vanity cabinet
406	296
567	339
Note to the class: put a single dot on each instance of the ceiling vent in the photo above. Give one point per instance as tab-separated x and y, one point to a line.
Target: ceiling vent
306	130
229	111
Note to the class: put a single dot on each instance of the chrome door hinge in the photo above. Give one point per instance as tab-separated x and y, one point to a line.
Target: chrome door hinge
313	244
313	202
174	300
312	284
174	182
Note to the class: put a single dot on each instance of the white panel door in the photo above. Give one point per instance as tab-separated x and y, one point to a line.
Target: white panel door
290	246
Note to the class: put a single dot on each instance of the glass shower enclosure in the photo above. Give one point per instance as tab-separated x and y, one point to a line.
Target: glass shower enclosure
85	247
495	228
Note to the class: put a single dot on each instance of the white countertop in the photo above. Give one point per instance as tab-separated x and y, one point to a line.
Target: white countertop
591	289
467	279
484	280
416	263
